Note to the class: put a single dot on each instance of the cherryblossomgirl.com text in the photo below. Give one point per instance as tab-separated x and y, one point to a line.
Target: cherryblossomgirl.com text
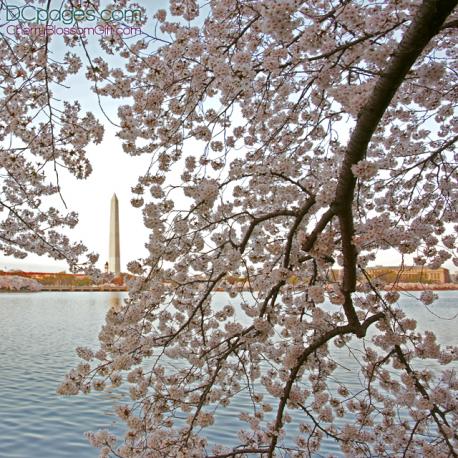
33	21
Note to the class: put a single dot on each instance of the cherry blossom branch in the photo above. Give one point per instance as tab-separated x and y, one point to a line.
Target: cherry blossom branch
241	451
425	25
435	411
359	330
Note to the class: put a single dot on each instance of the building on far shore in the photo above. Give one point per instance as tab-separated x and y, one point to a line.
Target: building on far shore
404	274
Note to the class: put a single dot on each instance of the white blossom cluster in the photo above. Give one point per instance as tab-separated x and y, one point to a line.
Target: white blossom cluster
40	136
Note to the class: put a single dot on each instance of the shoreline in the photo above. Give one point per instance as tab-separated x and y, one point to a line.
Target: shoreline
109	288
60	289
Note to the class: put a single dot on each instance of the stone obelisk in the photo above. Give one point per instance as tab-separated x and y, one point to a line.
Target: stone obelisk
114	256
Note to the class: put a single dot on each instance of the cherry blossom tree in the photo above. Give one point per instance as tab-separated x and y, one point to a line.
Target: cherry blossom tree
40	136
288	140
18	283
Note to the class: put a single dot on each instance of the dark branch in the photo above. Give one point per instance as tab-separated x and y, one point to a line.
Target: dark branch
426	24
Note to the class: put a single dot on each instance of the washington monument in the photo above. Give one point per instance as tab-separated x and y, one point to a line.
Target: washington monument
114	256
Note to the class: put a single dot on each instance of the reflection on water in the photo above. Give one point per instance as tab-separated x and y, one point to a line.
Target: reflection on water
39	332
116	300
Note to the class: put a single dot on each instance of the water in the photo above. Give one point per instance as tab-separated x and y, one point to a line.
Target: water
38	335
39	332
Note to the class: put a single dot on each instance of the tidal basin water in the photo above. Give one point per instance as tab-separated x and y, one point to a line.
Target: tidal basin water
38	335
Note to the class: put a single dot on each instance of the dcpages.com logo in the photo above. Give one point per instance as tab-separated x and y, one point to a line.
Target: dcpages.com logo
30	20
